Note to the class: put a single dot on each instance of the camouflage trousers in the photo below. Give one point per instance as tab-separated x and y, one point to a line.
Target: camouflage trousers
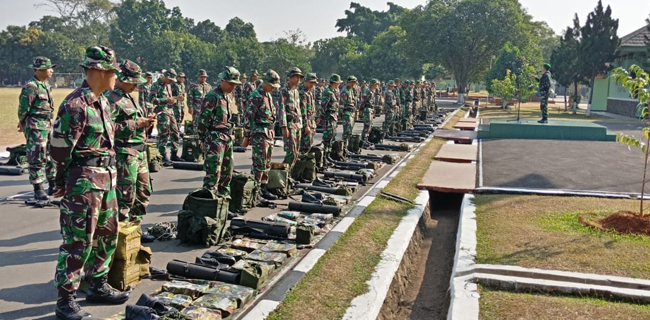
368	116
133	187
218	164
262	152
348	124
292	146
38	158
179	115
89	228
329	134
167	131
306	140
406	110
543	106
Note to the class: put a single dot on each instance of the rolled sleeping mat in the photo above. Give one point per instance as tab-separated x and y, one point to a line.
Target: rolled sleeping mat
355	165
371	157
188	166
239	149
275	229
314	208
347	176
319	189
11	171
194	271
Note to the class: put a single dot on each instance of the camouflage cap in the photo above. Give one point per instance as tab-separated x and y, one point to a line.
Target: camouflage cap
169	74
254	73
335	78
148	75
407	82
352	79
42	63
374	81
295	71
271	77
311	77
130	72
230	74
181	75
391	83
202	73
243	76
100	58
397	80
418	82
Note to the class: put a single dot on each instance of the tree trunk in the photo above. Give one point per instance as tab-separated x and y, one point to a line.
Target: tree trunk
461	92
575	96
566	107
591	95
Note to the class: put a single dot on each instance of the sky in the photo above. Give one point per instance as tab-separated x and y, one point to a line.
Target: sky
318	18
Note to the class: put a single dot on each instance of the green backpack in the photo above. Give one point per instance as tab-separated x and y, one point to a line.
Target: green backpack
304	233
204	203
154	156
244	192
305	168
192	149
196	228
239	136
189	128
17	155
318	157
338	151
254	275
376	135
354	143
279	183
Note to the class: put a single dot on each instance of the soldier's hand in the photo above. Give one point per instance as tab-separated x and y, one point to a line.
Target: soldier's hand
308	130
59	192
245	142
144	122
285	132
171	100
19	127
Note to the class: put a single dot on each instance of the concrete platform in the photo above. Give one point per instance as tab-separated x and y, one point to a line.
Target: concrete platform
449	177
554	130
471	120
457	153
466	126
456	135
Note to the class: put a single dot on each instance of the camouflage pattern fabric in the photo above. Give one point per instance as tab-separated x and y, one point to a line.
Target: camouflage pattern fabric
289	116
144	92
330	109
167	125
195	99
308	111
408	100
35	113
179	107
368	109
88	219
258	127
133	186
215	126
349	106
544	91
239	98
391	110
247	91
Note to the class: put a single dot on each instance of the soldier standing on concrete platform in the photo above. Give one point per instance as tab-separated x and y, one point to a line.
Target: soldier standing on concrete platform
259	129
367	106
82	148
196	94
391	109
216	130
131	123
544	91
330	109
164	97
308	111
289	116
349	105
35	114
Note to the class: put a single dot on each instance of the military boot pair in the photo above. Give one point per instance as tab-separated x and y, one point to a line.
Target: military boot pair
99	291
266	194
39	192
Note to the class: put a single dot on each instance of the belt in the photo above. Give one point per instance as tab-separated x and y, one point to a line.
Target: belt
136	146
94	161
48	116
229	131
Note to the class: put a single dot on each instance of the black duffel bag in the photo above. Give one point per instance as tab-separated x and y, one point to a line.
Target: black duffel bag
195	271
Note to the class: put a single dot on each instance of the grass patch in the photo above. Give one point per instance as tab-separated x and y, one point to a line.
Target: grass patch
531	110
543	232
459	115
504	305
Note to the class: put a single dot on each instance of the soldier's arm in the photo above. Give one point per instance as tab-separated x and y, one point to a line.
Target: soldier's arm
25	100
68	128
124	128
206	114
157	96
249	116
282	112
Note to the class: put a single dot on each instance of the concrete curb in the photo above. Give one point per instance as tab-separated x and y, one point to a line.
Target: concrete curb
556	192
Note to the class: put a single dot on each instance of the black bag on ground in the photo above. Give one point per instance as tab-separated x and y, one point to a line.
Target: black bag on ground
318	157
376	135
305	168
314	208
338	151
17	155
354	143
244	192
192	149
194	271
274	229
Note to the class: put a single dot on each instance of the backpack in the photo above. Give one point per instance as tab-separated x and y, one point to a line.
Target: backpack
254	275
154	157
17	155
338	151
305	168
192	149
354	143
239	136
318	157
204	203
279	183
376	135
195	228
189	128
244	192
390	158
304	233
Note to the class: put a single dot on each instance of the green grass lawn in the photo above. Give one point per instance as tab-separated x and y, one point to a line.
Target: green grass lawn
530	110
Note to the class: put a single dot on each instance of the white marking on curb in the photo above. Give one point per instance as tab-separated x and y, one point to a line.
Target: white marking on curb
366	201
480	163
261	310
382	184
309	260
394	174
343	225
556	192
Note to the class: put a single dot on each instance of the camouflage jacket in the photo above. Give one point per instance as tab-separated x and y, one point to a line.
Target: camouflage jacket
389	101
367	99
378	97
239	96
125	112
83	129
277	97
248	89
289	111
545	84
144	90
348	100
416	94
35	104
180	89
216	113
308	107
330	104
196	95
408	95
260	114
318	94
159	94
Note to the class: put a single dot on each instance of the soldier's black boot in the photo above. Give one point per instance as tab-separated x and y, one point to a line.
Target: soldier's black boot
166	162
266	194
153	303
175	157
100	292
39	193
68	309
50	187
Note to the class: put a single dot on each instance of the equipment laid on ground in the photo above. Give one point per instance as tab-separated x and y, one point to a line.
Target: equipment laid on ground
319	157
131	260
154	157
279	183
340	190
305	168
254	275
188	128
304	233
188	166
314	208
17	155
240	149
239	136
391	147
203	218
353	177
405	139
354	143
259	228
376	135
192	149
244	192
195	271
12	171
338	151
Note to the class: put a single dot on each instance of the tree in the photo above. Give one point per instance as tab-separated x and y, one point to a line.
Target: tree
505	88
365	23
209	32
565	62
510	59
598	46
237	28
287	52
329	52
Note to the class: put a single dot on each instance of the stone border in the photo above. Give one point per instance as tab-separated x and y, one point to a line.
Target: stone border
271	299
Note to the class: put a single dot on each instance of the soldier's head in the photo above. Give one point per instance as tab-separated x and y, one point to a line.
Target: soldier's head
242	79
397	82
374	84
148	76
229	79
100	66
294	75
418	84
335	81
43	68
202	77
181	77
168	76
254	75
270	81
546	67
310	81
391	85
405	84
352	81
129	76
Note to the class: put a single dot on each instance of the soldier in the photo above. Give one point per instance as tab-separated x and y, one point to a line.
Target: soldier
417	99
131	123
164	97
35	114
368	108
349	106
330	109
544	91
390	108
196	94
180	92
289	116
240	100
144	92
318	95
308	111
249	87
215	127
407	88
83	150
378	99
259	129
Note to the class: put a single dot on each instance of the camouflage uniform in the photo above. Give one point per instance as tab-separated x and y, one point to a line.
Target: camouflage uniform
349	106
167	125
289	117
82	149
240	101
179	108
308	111
330	109
408	101
259	127
544	92
391	109
368	109
144	93
215	126
35	114
249	87
195	97
133	187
